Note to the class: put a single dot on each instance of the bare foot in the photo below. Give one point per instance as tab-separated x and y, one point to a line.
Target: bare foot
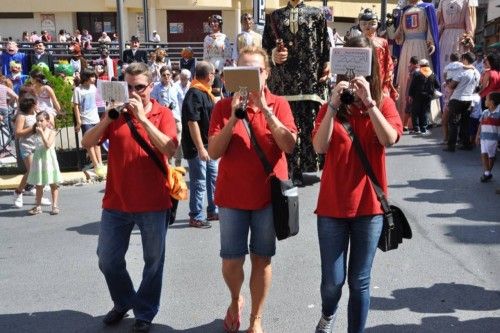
255	324
232	321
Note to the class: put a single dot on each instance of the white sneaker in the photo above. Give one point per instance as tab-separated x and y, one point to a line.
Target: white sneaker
18	200
45	202
31	192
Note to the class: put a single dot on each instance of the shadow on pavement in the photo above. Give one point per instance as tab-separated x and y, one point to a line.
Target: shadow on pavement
86	229
441	324
69	321
440	298
474	234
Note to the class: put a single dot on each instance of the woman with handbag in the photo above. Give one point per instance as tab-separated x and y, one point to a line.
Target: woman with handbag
243	189
348	209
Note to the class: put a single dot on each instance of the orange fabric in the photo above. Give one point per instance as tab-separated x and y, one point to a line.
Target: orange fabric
203	87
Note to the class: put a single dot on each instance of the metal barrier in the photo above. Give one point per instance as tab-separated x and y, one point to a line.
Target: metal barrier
70	155
61	50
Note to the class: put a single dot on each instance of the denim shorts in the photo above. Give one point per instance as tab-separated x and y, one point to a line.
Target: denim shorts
234	227
25	152
86	127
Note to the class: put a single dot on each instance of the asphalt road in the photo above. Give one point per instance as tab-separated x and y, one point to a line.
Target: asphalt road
446	279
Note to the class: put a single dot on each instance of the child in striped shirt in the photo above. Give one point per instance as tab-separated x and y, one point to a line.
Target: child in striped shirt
489	134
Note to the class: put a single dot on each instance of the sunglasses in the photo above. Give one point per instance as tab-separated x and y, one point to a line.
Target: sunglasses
138	88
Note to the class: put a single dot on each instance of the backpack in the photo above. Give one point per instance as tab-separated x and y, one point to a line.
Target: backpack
178	186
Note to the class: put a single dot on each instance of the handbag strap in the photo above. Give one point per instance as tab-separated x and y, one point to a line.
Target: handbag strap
267	166
368	168
144	145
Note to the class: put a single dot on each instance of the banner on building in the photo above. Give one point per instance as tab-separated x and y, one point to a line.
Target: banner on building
48	23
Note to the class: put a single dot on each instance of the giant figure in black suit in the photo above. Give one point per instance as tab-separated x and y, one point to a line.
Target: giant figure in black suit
134	54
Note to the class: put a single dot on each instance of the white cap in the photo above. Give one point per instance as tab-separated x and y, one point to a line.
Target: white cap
423	62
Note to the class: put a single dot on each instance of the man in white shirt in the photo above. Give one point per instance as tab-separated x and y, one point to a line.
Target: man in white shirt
156	38
464	84
183	84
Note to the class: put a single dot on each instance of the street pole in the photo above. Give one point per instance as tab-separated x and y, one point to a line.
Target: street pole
146	20
383	13
121	28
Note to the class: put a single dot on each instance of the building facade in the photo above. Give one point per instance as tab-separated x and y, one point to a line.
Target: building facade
174	20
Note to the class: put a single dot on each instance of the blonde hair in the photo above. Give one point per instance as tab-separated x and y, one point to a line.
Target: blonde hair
251	50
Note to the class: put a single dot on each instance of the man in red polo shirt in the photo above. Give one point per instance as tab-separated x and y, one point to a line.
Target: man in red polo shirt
136	194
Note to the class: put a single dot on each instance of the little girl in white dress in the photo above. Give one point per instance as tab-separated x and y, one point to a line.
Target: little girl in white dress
44	168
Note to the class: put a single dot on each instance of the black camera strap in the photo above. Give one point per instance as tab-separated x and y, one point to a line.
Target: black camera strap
366	165
144	145
267	166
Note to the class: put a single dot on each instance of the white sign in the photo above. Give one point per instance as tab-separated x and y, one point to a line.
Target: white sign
116	91
351	59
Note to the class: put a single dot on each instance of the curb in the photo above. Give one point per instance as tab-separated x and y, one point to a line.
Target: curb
11	182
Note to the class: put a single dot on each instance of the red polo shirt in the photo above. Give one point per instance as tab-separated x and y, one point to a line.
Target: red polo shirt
242	182
345	189
134	183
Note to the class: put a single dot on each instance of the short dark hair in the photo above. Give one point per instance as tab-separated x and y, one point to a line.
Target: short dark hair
27	103
86	74
454	56
163	69
414	60
469	56
495	97
203	69
494	60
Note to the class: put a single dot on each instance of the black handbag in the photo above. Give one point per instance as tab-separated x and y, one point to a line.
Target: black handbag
284	195
396	226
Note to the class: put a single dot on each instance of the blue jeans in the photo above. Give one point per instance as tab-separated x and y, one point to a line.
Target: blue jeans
334	237
114	237
202	175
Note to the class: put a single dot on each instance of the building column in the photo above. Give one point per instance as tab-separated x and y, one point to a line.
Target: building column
152	21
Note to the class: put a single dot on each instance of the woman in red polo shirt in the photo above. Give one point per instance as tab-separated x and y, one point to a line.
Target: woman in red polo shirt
242	191
348	209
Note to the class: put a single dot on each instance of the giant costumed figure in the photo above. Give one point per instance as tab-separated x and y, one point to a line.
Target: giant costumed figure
417	35
368	23
296	38
456	28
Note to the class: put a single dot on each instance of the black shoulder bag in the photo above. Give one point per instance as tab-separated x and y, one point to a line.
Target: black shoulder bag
284	195
396	226
149	150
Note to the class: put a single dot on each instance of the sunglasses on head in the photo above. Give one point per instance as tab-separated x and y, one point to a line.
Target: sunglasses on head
138	88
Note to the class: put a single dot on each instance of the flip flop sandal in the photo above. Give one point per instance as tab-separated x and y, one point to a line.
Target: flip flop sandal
35	210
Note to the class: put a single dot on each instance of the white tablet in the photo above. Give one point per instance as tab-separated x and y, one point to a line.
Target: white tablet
236	78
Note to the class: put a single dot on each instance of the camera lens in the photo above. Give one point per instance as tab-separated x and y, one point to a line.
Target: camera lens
347	97
240	113
113	114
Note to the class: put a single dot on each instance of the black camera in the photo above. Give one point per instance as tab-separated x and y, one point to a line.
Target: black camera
241	110
114	113
171	105
347	97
